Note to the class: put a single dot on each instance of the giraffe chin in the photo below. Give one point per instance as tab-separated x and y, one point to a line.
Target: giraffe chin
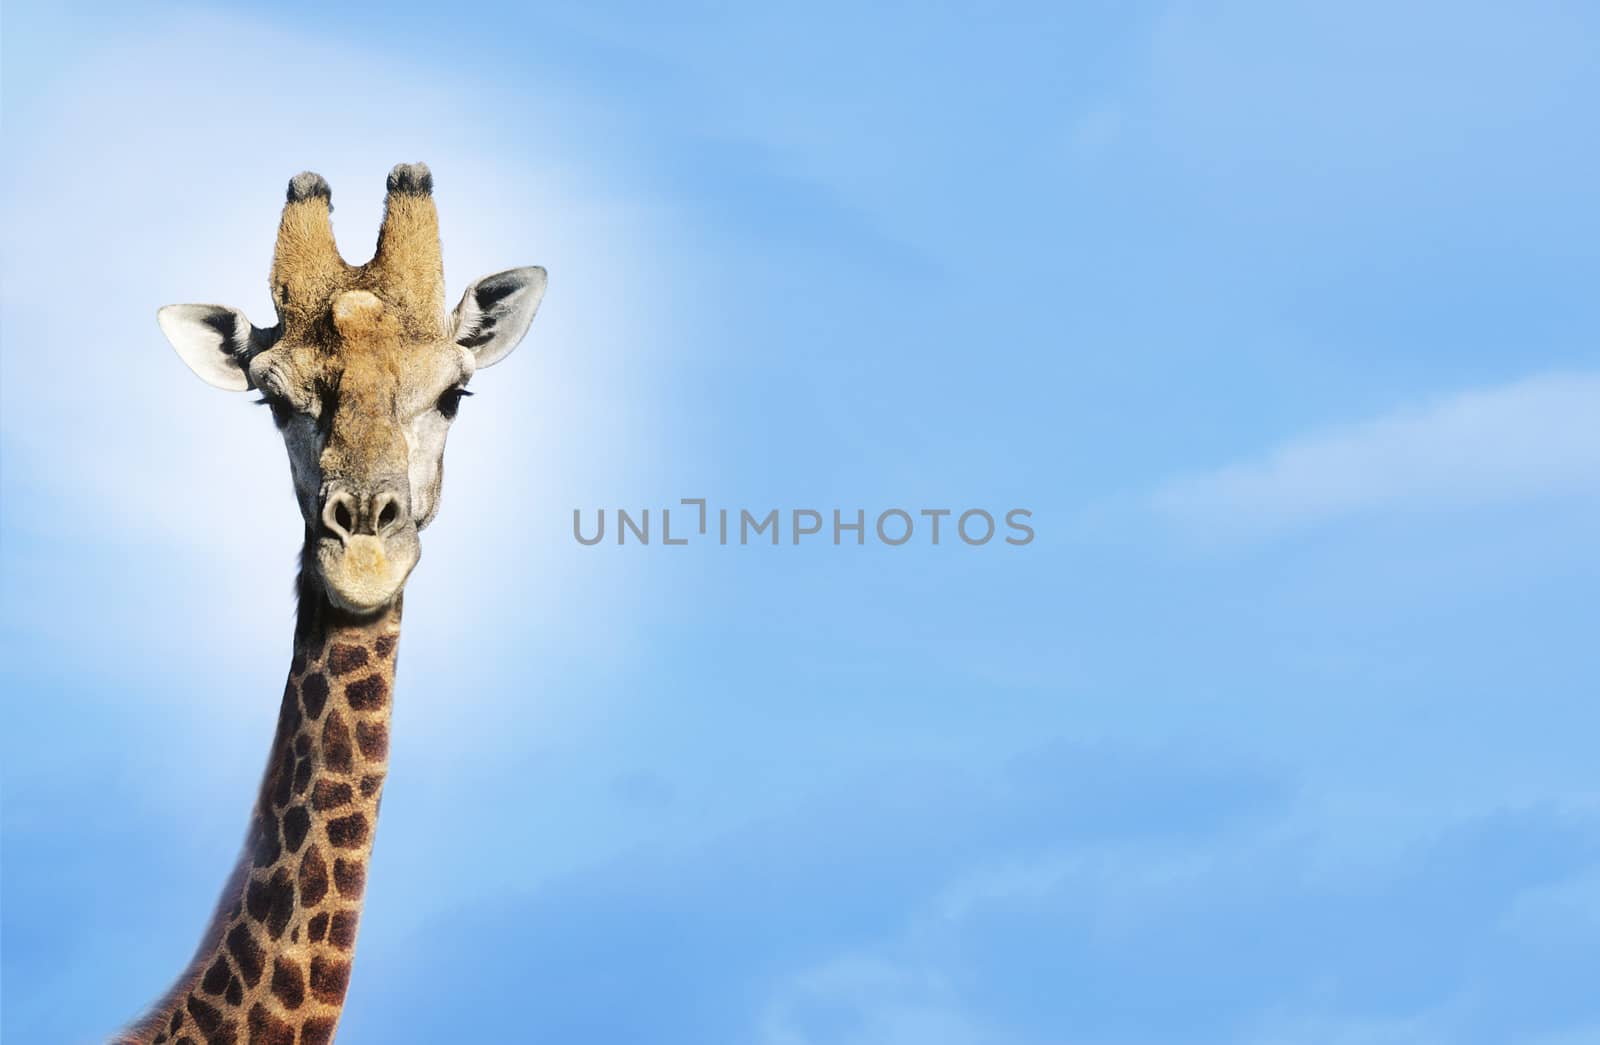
364	575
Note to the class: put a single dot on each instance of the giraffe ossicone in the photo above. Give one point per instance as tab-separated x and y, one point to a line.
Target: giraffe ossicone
364	372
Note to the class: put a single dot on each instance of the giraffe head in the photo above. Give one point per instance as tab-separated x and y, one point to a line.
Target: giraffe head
363	372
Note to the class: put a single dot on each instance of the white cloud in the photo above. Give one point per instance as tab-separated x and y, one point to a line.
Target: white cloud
1532	438
864	1000
908	989
1319	1022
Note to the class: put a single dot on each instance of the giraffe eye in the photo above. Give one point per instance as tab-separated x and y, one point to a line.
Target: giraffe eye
450	402
281	410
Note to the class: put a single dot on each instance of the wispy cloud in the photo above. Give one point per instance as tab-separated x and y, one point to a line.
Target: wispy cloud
871	1001
1535	437
1131	928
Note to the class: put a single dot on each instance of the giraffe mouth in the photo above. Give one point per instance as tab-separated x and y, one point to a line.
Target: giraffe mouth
364	574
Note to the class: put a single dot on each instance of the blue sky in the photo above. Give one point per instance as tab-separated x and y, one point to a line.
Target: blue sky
1280	319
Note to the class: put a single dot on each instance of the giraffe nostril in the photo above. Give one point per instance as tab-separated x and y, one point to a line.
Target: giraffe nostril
348	513
339	515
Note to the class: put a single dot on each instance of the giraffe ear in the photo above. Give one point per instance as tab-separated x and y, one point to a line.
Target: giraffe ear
217	343
495	312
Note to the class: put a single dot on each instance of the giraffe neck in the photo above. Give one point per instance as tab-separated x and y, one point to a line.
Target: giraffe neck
274	964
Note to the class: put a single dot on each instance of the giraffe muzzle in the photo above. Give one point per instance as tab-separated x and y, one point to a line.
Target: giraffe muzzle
368	545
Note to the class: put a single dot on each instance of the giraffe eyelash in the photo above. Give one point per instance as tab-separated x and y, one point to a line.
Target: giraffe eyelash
450	401
281	411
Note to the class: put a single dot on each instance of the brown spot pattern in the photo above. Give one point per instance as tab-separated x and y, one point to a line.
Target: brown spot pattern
267	849
247	952
207	1017
314	693
267	1029
344	658
313	877
336	751
367	694
342	930
296	822
216	978
348	832
272	902
329	978
373	739
350	877
288	983
333	794
282	777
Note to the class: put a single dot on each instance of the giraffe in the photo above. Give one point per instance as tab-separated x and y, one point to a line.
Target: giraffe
363	372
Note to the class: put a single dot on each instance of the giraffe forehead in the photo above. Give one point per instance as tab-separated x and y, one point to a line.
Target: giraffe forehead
366	370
